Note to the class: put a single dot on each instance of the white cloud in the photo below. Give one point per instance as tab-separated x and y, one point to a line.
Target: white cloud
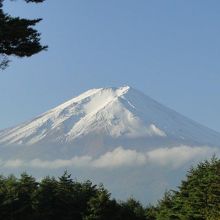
177	156
120	157
59	163
13	163
172	157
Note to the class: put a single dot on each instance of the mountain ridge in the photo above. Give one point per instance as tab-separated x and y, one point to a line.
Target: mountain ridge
115	136
122	112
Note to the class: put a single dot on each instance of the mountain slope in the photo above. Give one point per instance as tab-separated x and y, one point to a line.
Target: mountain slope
106	117
117	136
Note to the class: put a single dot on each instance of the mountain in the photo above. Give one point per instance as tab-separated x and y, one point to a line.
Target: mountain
109	113
107	127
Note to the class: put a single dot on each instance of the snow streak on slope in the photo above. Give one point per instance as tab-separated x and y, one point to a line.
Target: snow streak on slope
109	112
110	134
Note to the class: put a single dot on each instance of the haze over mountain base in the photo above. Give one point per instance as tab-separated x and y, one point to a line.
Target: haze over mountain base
117	136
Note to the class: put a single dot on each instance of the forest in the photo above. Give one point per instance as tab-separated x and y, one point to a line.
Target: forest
25	198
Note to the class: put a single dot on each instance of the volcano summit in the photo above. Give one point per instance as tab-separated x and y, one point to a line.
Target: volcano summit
101	119
108	128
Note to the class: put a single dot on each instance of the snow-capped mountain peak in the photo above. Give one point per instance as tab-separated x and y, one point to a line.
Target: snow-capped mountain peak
110	113
108	134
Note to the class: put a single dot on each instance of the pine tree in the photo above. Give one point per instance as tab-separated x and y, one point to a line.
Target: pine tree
9	197
198	197
132	210
46	199
18	36
26	192
101	207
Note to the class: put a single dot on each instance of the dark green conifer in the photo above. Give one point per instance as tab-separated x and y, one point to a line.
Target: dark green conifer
18	37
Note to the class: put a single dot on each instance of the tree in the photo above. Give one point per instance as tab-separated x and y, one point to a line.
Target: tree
101	207
151	212
26	192
18	36
198	197
166	205
46	199
8	197
132	210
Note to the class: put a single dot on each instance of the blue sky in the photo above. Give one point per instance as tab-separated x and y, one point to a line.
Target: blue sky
169	50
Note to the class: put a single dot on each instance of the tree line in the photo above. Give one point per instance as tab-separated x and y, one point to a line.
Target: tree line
25	198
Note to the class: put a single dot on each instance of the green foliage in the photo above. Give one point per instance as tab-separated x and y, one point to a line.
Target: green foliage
132	209
151	212
18	36
46	199
24	198
101	206
198	198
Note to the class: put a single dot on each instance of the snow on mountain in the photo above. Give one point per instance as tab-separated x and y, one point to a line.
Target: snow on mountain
109	112
117	136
